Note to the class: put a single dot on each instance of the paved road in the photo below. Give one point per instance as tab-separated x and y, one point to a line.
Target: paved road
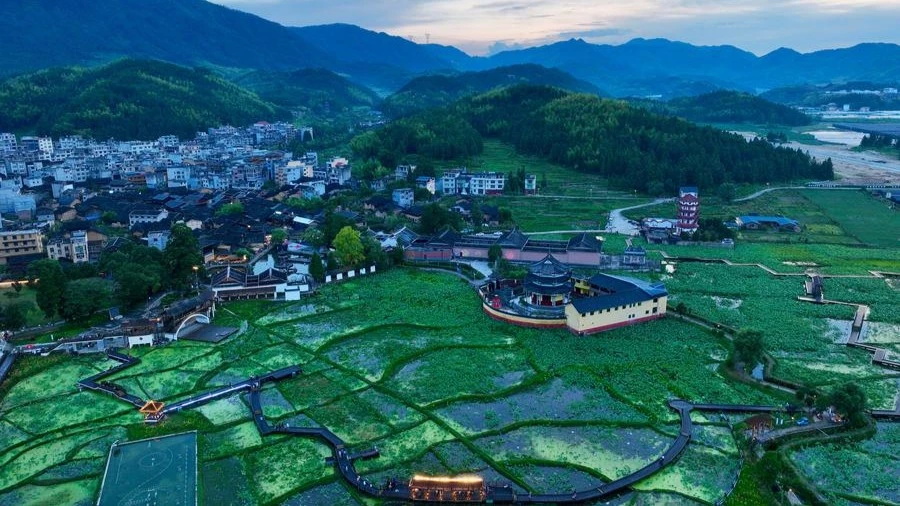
621	225
767	190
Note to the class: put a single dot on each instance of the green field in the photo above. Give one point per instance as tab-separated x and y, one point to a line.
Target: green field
850	217
407	361
405	379
869	220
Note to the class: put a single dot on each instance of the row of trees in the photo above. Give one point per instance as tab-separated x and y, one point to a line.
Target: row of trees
352	250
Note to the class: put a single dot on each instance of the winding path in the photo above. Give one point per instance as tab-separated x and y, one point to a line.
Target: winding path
343	460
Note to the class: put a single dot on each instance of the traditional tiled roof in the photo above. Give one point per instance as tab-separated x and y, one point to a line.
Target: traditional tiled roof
622	290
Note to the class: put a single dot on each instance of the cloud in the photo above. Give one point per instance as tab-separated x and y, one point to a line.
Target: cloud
477	26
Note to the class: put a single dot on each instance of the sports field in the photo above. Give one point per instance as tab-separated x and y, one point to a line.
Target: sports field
157	471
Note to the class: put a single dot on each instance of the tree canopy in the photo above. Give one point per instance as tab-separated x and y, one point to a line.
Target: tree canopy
633	147
349	247
181	255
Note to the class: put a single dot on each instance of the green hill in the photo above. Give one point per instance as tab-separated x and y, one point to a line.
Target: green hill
128	99
632	147
735	107
37	34
431	91
319	90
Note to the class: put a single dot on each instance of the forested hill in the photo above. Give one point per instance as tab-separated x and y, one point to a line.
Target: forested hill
37	34
729	107
128	99
440	90
634	148
319	90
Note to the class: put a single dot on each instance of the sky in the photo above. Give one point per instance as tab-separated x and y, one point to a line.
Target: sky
484	27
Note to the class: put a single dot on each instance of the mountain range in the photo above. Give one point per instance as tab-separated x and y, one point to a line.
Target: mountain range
41	33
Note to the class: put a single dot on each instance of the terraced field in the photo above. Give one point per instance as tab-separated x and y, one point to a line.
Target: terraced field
405	361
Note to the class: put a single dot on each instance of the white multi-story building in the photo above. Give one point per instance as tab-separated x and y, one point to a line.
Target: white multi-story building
426	182
72	142
146	216
16	167
178	177
460	182
8	143
41	144
73	248
403	197
168	141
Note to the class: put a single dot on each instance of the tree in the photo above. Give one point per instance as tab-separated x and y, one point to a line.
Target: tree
230	209
397	256
749	347
495	252
849	400
51	285
14	315
182	254
109	217
374	254
656	188
434	217
477	216
316	269
84	297
348	247
278	236
314	237
727	191
807	394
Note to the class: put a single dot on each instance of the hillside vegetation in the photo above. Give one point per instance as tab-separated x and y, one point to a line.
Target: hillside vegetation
128	99
440	90
37	34
732	107
319	90
634	148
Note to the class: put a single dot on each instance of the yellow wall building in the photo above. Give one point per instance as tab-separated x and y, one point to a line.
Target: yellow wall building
614	301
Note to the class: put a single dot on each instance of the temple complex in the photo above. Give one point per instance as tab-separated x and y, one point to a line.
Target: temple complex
552	297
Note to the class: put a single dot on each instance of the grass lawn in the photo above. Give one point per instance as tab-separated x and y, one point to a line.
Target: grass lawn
860	215
552	179
26	297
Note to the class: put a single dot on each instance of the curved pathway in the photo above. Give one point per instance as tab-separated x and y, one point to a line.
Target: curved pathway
343	459
619	224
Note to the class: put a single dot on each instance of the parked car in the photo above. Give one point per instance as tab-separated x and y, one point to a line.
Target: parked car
803	421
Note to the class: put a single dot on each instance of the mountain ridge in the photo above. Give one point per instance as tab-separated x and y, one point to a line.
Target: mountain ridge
196	32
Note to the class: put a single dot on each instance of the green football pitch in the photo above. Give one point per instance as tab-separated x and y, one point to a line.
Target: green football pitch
152	472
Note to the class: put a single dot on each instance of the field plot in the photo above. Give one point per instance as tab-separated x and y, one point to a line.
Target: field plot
872	464
159	469
860	215
407	361
804	338
556	400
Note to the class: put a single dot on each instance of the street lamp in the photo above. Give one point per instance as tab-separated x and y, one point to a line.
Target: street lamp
196	268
